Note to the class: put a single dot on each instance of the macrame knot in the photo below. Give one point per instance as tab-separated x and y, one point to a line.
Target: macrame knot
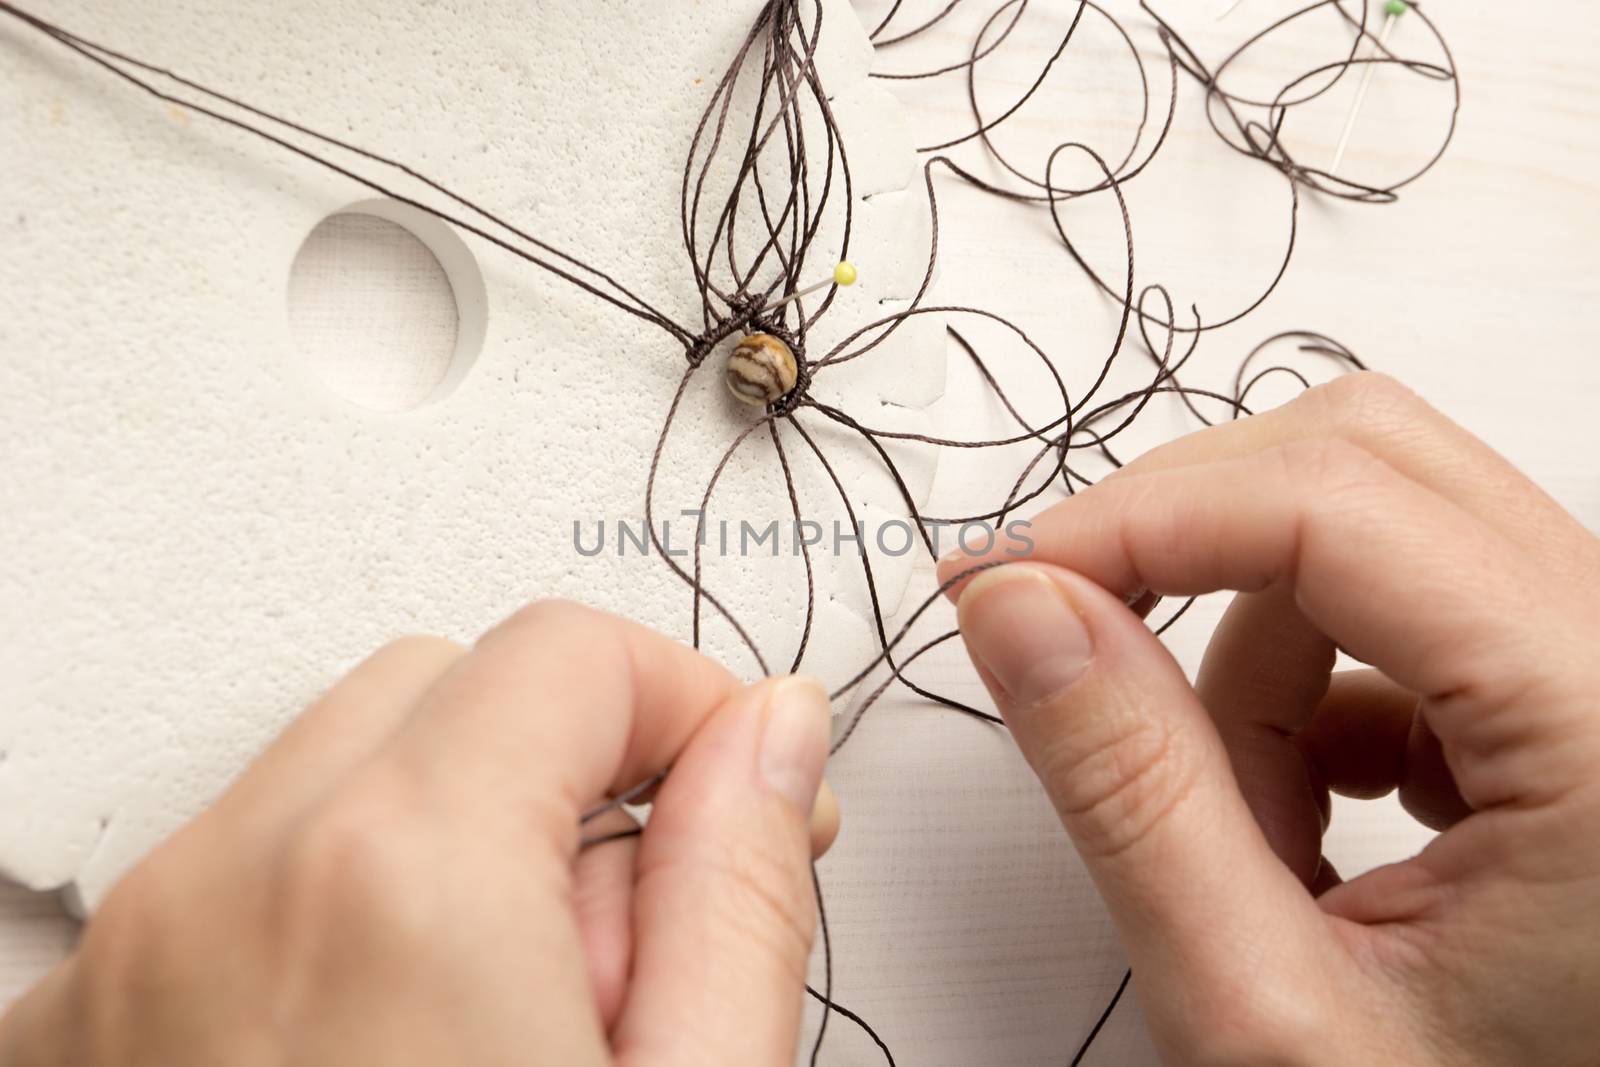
696	353
796	396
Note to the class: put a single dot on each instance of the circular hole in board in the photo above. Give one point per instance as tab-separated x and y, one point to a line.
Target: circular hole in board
386	306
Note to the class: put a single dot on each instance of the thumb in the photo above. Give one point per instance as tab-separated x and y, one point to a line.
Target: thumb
724	910
1141	781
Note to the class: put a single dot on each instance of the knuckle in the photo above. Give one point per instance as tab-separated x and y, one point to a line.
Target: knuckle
127	933
352	861
575	626
1144	518
126	946
1114	789
414	647
1368	398
1369	406
1329	466
550	614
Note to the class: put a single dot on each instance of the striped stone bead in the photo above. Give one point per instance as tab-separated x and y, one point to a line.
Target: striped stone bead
761	369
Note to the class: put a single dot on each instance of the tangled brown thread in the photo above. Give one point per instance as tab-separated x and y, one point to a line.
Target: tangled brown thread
738	291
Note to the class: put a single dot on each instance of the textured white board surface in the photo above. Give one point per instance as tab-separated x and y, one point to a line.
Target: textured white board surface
200	535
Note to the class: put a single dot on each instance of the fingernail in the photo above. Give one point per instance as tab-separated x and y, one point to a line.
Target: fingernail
1020	627
795	744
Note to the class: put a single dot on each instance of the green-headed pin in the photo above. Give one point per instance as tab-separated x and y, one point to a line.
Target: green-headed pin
1392	10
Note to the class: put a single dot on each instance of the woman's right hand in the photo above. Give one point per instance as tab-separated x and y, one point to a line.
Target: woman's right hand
1354	518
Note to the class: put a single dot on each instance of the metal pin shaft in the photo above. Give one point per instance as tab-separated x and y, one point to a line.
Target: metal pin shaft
1361	92
797	294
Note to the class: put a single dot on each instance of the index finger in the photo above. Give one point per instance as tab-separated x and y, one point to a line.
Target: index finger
555	709
1383	417
1398	575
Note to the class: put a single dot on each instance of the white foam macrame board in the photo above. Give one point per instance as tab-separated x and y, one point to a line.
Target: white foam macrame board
202	530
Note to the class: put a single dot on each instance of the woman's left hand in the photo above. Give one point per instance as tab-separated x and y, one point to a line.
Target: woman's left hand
401	878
